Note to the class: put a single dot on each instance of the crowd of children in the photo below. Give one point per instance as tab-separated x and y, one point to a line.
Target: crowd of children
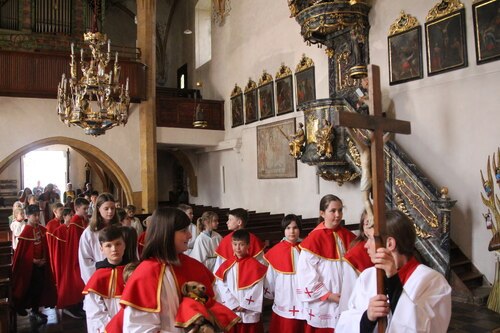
182	276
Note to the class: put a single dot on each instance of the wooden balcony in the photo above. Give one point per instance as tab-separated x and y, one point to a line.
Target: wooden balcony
37	74
179	111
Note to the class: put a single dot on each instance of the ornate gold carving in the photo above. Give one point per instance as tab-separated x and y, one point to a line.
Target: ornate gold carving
353	152
304	63
491	200
443	8
343	78
265	78
293	8
284	71
417	203
400	203
251	85
340	178
329	52
236	90
297	141
312	125
324	137
404	22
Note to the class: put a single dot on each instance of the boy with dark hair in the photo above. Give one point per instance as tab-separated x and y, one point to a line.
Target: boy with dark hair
237	219
32	282
418	298
104	289
240	282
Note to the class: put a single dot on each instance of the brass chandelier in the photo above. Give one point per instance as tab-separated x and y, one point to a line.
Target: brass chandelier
94	100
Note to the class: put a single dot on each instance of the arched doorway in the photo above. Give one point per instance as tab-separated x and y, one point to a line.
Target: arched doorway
94	155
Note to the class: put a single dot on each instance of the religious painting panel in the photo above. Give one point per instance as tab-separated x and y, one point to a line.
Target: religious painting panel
446	43
284	90
304	78
405	50
273	153
237	106
266	96
486	16
250	102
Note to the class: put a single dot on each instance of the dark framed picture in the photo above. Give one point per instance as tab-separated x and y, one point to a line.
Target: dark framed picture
266	100
405	56
306	89
237	109
486	16
250	106
284	95
446	43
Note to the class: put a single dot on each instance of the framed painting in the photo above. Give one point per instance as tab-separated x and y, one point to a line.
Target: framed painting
237	106
284	90
266	96
250	102
273	154
405	50
446	42
486	16
304	78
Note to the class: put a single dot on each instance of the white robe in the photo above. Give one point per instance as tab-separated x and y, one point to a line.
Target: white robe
349	278
249	298
424	305
194	234
135	321
17	228
282	288
204	249
99	311
316	277
89	252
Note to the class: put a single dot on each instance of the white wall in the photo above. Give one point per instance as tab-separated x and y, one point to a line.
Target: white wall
454	119
26	120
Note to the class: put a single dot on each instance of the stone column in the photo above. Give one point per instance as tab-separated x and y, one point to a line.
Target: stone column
146	37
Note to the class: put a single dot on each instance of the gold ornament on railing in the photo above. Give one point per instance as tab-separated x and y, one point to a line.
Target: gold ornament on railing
492	220
94	100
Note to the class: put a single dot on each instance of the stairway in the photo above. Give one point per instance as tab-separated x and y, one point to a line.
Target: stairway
468	284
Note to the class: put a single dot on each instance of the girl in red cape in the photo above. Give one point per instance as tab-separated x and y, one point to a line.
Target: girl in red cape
153	293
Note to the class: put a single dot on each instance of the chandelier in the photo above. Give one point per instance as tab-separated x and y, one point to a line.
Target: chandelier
94	100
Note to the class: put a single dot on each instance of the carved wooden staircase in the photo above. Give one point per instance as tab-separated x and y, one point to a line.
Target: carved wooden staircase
469	285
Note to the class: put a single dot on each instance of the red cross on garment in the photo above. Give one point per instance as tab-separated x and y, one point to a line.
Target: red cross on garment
266	291
308	292
292	310
311	314
250	300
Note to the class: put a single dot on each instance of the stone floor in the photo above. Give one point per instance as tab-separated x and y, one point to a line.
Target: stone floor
465	318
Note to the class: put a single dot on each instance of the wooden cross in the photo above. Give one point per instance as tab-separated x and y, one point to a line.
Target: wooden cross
378	124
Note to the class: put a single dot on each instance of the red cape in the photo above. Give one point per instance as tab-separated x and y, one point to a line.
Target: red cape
51	242
22	267
69	282
106	282
143	288
321	241
250	271
358	257
280	257
225	249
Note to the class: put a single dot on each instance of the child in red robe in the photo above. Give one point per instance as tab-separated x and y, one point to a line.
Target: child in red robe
281	279
240	283
105	287
53	224
70	284
237	219
32	282
152	294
